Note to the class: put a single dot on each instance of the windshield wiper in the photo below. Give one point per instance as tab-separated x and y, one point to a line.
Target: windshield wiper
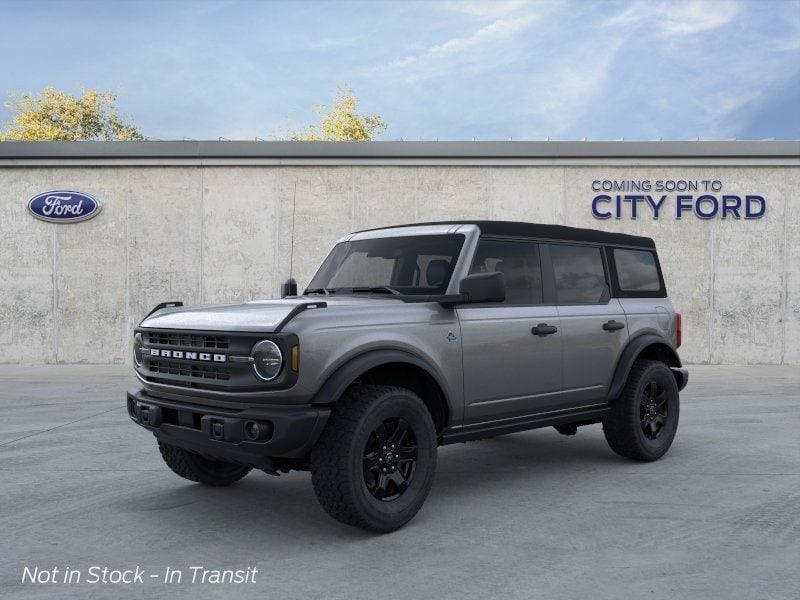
379	289
321	290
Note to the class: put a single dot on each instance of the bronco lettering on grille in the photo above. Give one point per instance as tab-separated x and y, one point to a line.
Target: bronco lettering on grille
204	356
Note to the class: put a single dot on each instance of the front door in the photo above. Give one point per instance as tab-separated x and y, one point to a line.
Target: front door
511	350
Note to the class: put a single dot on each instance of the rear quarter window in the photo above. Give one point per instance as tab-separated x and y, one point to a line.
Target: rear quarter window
636	270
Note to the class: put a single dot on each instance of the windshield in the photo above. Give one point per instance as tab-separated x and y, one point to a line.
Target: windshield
420	264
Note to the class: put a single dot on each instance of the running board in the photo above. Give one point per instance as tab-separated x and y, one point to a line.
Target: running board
485	430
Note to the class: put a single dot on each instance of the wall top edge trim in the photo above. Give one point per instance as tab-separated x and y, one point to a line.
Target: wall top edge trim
399	150
408	163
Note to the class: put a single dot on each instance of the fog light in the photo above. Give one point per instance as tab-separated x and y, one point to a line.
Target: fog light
258	430
252	429
131	409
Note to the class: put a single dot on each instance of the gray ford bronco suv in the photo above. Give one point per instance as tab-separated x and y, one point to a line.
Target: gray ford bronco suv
407	338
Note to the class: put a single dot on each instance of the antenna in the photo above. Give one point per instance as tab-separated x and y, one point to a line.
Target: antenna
294	211
290	287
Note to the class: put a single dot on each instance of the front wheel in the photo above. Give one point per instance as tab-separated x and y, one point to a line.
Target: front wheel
642	422
374	463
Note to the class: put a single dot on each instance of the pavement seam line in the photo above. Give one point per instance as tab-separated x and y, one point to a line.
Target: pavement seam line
58	426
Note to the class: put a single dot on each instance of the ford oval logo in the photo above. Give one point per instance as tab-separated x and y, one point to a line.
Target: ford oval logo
64	206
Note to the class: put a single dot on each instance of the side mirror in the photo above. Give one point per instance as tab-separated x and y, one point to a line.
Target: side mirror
289	288
483	287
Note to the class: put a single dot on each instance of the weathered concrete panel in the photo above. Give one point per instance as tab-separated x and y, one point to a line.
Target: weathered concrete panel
791	258
91	270
385	196
323	213
533	194
239	233
165	227
27	256
748	272
449	193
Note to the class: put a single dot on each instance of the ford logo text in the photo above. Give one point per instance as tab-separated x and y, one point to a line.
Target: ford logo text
62	206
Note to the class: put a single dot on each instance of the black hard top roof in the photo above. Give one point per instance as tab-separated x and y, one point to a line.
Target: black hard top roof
546	232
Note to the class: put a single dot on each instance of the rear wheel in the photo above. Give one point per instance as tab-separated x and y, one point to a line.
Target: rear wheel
374	463
642	422
194	467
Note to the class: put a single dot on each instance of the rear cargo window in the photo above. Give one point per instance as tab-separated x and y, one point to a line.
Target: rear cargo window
636	270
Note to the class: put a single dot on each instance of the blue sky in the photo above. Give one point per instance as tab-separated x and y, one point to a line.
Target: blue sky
434	70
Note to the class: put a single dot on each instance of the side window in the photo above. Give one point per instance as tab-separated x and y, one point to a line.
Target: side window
636	270
579	274
432	271
519	264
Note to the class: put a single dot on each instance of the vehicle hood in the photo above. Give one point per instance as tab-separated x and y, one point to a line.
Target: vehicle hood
258	315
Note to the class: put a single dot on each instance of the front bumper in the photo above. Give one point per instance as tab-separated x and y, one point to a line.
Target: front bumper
222	433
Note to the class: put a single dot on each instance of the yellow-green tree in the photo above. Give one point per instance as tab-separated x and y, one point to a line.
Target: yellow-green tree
341	123
55	115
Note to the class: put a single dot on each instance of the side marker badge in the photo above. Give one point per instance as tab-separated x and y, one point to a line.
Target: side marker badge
451	337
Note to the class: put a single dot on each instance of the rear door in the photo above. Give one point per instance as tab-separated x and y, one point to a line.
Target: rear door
594	326
509	369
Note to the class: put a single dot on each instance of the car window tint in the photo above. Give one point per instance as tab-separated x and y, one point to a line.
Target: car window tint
359	266
636	270
419	264
579	274
519	264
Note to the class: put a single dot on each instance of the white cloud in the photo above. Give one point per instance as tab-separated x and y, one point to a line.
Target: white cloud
686	17
565	89
499	30
474	48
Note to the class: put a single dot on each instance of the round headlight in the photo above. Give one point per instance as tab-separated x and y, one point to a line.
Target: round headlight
267	360
137	349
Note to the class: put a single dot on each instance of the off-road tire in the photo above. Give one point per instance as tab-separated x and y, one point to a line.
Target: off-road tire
623	427
194	467
337	460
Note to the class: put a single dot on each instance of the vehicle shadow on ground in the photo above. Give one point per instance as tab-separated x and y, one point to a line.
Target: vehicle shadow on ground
286	505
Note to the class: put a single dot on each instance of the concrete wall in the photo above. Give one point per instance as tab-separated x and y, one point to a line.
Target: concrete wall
206	234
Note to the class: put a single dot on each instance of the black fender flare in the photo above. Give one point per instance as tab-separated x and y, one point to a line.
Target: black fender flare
347	373
629	355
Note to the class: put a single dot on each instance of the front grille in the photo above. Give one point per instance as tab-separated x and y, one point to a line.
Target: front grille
210	372
185	369
185	340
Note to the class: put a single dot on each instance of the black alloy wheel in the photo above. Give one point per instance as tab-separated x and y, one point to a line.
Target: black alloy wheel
641	423
653	409
390	459
374	462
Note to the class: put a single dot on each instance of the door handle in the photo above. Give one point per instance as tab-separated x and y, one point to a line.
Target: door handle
612	325
544	329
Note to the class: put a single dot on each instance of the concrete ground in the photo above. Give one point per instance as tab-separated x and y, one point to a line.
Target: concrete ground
529	515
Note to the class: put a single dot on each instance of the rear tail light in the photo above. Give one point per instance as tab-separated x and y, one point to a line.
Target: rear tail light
678	330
